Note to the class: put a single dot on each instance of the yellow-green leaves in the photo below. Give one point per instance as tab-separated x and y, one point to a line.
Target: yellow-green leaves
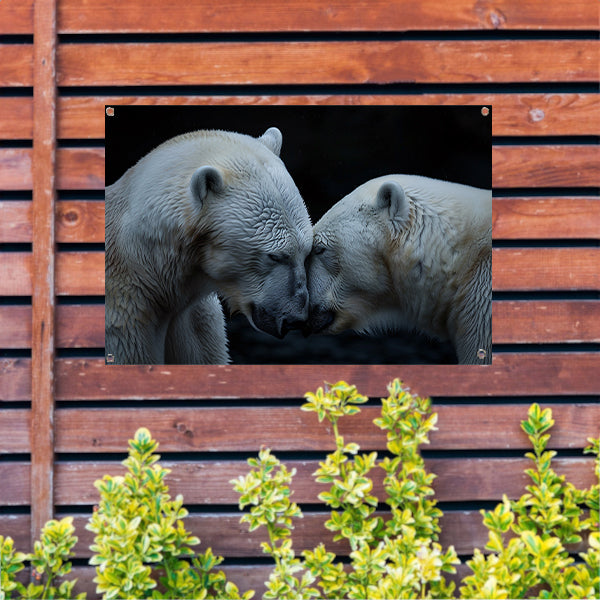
141	542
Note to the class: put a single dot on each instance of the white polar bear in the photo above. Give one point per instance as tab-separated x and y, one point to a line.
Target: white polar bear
410	252
204	213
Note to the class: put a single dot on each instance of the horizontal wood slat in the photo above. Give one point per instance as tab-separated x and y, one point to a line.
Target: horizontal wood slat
513	166
514	114
76	221
16	65
519	269
512	218
77	273
16	16
536	321
546	166
272	63
290	429
229	538
208	482
514	322
545	218
15	433
529	269
517	374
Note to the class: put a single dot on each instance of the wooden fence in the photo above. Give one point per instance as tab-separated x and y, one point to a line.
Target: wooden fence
65	416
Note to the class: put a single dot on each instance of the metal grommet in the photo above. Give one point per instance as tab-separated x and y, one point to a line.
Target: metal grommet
110	111
481	354
485	111
110	358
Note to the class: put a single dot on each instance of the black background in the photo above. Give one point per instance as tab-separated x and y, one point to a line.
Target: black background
328	150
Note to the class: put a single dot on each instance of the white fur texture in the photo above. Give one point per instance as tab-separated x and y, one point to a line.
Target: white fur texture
405	251
241	231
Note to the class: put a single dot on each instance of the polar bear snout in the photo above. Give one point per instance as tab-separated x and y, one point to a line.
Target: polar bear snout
275	323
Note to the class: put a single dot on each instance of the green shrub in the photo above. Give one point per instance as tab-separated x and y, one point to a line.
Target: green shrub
49	560
400	557
141	548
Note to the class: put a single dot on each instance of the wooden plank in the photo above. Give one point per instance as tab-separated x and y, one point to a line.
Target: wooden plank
205	483
16	274
15	221
553	166
16	484
80	274
527	269
16	65
15	432
16	120
514	114
76	221
80	221
530	321
16	16
527	374
43	263
524	374
271	63
15	169
15	379
335	15
545	218
513	218
290	429
77	326
80	169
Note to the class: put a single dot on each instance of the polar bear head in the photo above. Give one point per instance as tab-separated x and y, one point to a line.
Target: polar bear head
351	285
404	251
255	232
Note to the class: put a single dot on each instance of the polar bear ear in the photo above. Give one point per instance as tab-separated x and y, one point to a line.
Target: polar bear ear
203	180
392	200
272	139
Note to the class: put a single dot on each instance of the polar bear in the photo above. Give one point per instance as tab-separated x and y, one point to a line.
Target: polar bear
405	251
205	213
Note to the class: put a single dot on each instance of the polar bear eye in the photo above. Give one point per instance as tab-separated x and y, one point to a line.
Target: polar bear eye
277	258
318	250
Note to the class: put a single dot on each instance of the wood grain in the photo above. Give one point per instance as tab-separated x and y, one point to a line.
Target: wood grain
528	269
15	428
521	374
16	117
545	218
513	114
204	483
16	65
538	321
15	169
546	166
270	63
558	373
491	427
76	221
299	15
43	263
